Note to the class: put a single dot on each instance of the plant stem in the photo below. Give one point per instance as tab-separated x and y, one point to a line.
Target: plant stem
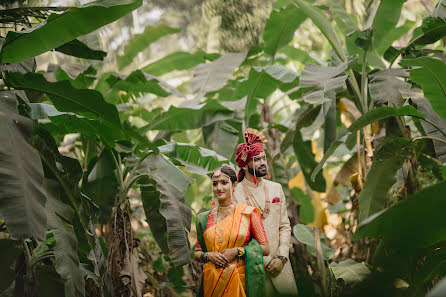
429	137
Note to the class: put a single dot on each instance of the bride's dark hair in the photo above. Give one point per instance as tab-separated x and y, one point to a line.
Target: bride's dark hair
226	169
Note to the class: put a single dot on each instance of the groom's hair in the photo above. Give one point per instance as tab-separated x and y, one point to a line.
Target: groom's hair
241	175
226	169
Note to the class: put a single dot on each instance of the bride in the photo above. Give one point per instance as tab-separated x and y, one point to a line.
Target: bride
231	243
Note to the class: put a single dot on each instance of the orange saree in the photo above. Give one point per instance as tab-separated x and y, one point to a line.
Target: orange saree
235	230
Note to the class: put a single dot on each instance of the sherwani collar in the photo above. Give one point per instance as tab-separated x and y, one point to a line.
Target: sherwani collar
251	184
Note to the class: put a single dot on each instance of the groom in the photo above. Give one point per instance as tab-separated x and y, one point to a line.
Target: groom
268	197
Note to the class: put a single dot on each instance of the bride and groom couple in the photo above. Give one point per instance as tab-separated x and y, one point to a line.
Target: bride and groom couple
244	241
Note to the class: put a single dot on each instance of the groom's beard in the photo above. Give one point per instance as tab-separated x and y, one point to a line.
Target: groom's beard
260	172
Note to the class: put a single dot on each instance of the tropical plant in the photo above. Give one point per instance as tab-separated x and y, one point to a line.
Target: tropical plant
83	146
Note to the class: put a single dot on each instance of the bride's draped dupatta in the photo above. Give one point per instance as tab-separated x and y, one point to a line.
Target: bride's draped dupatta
241	277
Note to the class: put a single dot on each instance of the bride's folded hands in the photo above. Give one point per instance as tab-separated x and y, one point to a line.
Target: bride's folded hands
219	259
230	253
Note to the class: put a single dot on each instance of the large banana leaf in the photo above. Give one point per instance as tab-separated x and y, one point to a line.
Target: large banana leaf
386	17
431	30
430	74
209	77
321	21
64	123
137	83
197	160
182	118
139	42
372	116
304	234
222	138
22	197
424	107
59	29
305	158
345	22
76	48
280	27
178	61
101	185
258	85
60	217
400	224
388	159
299	55
306	208
65	97
350	271
163	200
433	27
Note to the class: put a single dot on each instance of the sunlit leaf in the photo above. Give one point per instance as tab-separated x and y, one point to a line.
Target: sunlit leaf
212	76
58	29
66	98
178	61
280	27
139	42
177	118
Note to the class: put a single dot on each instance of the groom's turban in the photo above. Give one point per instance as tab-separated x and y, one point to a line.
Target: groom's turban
250	148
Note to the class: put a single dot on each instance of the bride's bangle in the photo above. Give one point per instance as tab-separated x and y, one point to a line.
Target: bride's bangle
203	257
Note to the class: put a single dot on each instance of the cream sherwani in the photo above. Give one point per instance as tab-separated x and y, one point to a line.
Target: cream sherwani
277	229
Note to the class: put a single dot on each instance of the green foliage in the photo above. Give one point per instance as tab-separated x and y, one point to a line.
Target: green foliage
324	25
23	200
109	160
60	217
69	25
89	103
350	271
388	159
139	42
386	17
163	201
78	49
304	234
346	22
209	77
396	225
372	116
178	61
101	184
280	27
306	209
197	160
305	157
178	118
430	74
258	85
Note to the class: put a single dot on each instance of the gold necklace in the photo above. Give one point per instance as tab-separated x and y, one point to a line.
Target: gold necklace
220	230
250	200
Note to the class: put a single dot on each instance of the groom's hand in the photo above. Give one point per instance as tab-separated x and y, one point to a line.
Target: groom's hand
275	266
